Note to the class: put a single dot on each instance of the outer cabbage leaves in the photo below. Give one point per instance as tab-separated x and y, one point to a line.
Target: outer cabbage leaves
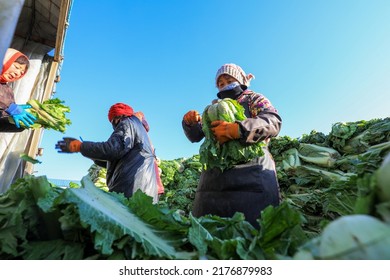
233	152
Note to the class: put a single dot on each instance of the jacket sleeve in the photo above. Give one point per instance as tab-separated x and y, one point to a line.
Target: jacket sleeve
6	126
6	97
264	123
119	143
194	133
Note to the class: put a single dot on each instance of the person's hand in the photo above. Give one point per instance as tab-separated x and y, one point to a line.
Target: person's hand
68	145
225	131
19	114
192	117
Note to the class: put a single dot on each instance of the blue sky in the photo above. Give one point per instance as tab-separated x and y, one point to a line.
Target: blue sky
319	62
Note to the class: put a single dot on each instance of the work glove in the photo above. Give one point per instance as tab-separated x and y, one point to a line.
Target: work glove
225	131
68	145
19	114
192	117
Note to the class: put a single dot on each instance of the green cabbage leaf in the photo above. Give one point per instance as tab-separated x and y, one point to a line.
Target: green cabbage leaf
233	152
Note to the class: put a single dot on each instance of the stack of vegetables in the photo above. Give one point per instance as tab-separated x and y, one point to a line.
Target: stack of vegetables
98	176
336	205
180	178
328	176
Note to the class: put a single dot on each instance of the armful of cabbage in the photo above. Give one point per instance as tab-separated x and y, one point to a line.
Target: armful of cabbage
50	114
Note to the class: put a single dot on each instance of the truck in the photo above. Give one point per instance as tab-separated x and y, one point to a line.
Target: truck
38	29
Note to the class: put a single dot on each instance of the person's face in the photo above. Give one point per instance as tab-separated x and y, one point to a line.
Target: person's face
16	71
225	80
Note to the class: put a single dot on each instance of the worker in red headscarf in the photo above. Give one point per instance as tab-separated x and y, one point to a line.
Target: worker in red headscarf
15	66
127	155
142	118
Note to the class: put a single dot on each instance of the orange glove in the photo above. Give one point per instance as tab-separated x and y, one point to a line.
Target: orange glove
192	117
225	131
68	145
75	146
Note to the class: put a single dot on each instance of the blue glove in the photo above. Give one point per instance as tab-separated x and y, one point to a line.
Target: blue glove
18	114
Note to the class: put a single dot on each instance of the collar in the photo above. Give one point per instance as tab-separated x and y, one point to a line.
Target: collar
232	93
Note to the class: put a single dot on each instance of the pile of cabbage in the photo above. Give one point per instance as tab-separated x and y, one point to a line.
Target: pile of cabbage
340	183
328	176
336	205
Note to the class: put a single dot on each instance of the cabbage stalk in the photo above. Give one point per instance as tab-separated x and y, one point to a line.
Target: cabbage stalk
383	180
318	155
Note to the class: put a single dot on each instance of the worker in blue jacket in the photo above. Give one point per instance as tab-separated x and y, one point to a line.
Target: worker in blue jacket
127	155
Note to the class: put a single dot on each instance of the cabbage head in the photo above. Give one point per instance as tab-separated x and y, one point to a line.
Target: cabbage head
233	152
350	237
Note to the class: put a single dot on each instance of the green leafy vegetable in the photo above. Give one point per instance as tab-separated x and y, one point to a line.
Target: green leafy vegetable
328	211
98	176
98	209
233	152
357	137
27	158
351	237
50	114
383	179
319	155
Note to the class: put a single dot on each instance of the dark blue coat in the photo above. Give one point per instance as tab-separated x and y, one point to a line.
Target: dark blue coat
129	158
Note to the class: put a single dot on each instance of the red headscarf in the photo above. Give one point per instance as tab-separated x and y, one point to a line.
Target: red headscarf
119	109
10	56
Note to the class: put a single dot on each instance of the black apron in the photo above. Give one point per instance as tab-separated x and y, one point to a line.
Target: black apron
247	188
